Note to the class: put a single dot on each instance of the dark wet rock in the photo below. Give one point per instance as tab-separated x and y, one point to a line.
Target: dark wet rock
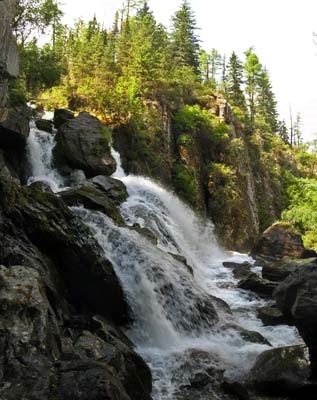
94	199
183	261
103	366
81	144
202	375
245	334
280	241
61	116
44	125
258	285
271	316
147	233
296	297
237	389
279	271
114	188
280	371
14	129
239	270
41	360
234	265
54	229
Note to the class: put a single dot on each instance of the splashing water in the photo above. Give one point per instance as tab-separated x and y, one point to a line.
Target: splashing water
40	145
170	265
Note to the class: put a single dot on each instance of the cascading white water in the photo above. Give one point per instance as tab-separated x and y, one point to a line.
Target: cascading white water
171	284
39	150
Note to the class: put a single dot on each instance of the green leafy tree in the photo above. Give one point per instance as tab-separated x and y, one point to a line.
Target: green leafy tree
184	42
252	69
35	16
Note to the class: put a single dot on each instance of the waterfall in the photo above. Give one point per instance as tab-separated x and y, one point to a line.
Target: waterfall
170	266
39	151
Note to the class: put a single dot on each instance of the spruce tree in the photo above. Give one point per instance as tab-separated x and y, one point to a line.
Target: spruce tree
266	103
234	82
185	43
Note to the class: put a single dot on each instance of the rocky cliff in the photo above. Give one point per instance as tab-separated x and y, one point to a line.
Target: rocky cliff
238	180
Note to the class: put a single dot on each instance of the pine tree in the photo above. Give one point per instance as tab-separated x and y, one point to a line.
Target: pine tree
185	43
266	103
234	82
282	131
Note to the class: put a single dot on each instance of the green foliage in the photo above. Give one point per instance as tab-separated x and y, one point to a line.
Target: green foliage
107	134
18	94
184	140
193	117
302	212
185	182
34	16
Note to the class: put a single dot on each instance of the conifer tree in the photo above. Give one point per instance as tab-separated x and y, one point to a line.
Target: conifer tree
185	43
234	82
266	103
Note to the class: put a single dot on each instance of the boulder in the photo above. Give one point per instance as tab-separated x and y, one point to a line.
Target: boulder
81	144
280	371
93	198
296	297
258	285
239	270
44	125
61	116
280	241
245	334
114	188
271	315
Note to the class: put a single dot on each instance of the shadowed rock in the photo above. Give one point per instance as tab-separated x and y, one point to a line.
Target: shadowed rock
81	144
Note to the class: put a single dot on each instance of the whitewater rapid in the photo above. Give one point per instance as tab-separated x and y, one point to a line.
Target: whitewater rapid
171	271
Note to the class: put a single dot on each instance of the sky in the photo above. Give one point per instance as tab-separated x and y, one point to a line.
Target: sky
281	32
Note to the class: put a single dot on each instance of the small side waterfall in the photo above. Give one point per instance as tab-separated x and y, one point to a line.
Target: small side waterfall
170	266
39	150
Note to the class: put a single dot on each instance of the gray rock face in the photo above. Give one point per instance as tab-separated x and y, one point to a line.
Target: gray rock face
296	297
9	60
81	144
14	122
